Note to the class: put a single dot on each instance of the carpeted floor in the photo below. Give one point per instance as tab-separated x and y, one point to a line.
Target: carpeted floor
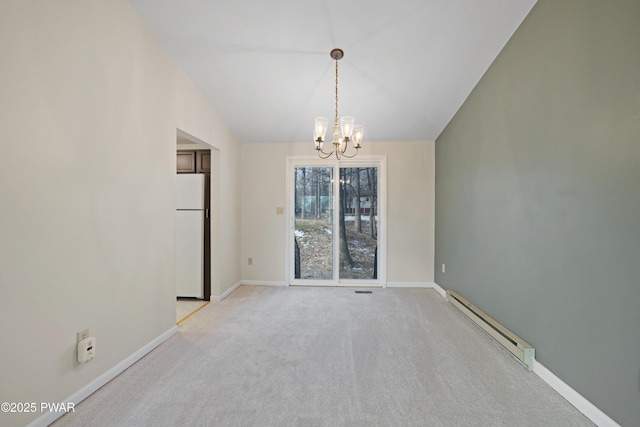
270	356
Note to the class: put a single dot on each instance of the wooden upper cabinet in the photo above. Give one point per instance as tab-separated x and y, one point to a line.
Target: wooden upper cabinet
194	161
186	162
203	162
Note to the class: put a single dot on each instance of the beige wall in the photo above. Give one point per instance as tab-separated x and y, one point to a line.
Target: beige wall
89	108
410	209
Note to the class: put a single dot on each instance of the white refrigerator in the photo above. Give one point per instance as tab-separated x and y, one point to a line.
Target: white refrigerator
190	215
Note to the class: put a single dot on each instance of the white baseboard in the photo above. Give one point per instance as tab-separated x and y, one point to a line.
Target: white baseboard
440	290
576	399
94	385
409	285
226	293
427	285
262	283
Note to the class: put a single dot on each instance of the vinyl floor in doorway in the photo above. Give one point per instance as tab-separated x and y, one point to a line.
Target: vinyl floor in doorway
186	306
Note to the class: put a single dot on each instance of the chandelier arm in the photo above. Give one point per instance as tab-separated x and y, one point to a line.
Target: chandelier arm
326	155
351	156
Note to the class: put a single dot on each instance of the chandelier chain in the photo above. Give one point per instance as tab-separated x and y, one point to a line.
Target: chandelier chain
336	118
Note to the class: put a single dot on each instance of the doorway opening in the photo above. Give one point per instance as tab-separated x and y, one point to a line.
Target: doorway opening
197	158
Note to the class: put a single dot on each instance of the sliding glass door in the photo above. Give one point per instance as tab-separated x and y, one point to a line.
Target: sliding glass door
358	224
334	233
313	223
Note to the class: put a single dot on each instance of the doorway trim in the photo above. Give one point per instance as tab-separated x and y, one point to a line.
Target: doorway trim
380	162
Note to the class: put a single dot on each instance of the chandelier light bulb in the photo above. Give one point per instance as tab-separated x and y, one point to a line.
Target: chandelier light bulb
358	133
320	129
347	126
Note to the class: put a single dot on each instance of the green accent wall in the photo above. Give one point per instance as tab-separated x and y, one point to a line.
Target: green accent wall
538	196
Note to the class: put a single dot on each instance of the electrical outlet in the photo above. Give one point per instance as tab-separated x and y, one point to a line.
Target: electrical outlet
443	268
250	261
82	335
279	210
86	350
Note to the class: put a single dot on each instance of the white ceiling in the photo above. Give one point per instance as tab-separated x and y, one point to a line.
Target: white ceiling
265	65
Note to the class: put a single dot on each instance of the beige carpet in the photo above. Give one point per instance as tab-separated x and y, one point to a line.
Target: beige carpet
293	356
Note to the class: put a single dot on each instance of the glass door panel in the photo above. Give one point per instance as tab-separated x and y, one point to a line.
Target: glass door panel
313	223
358	223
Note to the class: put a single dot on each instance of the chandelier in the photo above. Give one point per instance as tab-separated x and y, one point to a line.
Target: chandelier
343	133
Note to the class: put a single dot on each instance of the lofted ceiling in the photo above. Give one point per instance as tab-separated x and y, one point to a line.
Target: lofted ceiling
264	65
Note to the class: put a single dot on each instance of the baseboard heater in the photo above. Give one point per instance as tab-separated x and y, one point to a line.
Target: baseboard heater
516	345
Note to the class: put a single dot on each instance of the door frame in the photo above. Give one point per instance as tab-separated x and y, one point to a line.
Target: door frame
380	162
